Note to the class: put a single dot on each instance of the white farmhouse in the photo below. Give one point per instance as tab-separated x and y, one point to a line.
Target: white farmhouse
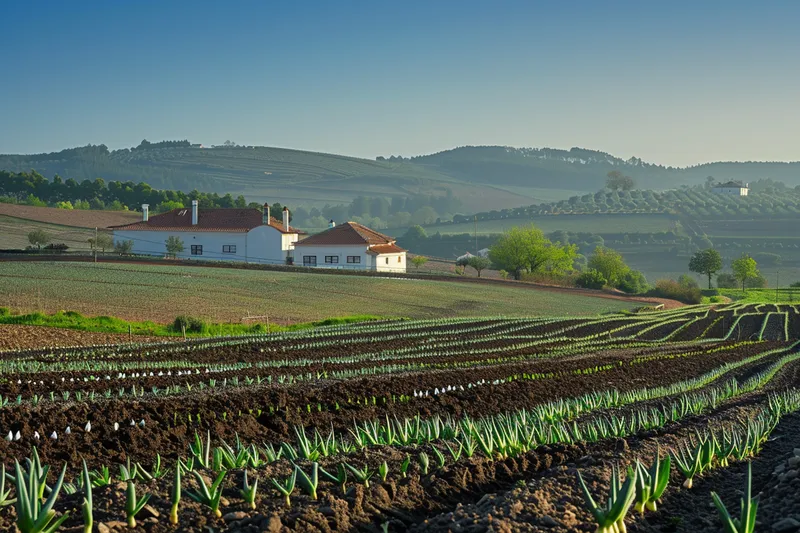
733	188
248	235
350	245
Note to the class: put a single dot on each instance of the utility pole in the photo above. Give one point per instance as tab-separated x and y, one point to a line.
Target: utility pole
95	244
476	234
777	284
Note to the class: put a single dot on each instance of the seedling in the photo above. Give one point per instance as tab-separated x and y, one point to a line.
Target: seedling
651	483
176	496
249	492
611	517
88	518
132	504
208	496
286	487
308	483
32	515
746	523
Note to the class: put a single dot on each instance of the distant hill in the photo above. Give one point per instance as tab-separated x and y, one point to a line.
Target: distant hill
486	177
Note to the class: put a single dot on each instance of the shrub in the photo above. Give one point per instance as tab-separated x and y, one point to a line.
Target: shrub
633	282
191	324
5	311
709	292
796	284
591	279
504	275
57	246
669	288
758	282
717	299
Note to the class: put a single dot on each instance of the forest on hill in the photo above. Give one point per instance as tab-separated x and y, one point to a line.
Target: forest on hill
483	177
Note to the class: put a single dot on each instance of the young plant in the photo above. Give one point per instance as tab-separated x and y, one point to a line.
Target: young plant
249	492
404	465
100	478
746	523
88	518
176	496
308	483
4	494
340	478
383	471
32	515
286	487
651	482
363	475
694	462
424	463
611	517
208	496
132	504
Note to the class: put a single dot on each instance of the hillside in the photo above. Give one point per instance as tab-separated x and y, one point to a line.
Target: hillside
489	177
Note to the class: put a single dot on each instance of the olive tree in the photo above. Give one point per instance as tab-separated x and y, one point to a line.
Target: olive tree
707	262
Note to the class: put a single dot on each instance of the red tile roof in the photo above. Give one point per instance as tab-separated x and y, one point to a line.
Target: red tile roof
217	219
347	233
385	249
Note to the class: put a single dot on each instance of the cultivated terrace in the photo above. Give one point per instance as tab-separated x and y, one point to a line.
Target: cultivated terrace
624	422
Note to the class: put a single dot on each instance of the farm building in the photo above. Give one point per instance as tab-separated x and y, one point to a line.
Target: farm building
249	235
350	245
734	188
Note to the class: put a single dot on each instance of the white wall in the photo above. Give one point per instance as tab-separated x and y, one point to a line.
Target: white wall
341	252
263	244
396	262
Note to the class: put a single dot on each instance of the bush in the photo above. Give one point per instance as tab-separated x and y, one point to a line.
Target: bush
504	274
758	282
796	284
633	282
5	311
709	292
669	288
717	299
57	246
591	279
191	324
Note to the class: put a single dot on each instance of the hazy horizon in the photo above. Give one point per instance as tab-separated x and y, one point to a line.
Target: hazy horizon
677	85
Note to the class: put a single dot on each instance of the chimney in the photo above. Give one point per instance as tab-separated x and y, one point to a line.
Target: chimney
285	219
331	224
145	212
194	212
265	215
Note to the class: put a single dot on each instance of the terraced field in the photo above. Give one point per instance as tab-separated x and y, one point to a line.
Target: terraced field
445	425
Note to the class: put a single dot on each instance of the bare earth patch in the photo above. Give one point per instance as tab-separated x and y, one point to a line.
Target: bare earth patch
65	217
14	337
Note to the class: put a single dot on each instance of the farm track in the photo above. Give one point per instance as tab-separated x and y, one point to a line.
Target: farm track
503	365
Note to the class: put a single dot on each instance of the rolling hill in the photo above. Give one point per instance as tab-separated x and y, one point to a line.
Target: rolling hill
486	177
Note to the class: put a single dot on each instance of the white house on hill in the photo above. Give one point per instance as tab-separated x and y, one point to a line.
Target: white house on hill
249	235
350	245
733	188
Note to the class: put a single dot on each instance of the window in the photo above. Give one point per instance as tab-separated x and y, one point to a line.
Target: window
228	248
399	260
387	260
309	260
197	249
331	259
353	259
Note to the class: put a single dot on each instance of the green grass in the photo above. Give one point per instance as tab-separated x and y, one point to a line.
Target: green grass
108	324
602	224
160	293
783	295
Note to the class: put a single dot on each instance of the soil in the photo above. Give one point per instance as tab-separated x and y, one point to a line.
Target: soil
535	491
15	337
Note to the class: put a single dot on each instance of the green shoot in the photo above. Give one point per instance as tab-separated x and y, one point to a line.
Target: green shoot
208	496
176	496
88	518
611	517
308	483
134	505
249	492
286	487
746	523
32	516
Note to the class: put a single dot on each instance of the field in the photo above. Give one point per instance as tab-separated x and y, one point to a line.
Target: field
160	293
70	217
14	233
465	424
601	224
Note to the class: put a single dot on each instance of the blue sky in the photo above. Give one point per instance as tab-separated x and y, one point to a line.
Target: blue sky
675	82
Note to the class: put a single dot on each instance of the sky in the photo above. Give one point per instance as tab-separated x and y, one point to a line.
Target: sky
675	83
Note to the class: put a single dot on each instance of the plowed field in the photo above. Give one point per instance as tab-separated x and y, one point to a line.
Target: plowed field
432	425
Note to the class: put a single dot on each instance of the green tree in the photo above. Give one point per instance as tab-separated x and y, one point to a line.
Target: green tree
610	264
707	262
744	269
123	247
104	242
174	246
169	205
527	249
38	238
418	261
479	263
616	181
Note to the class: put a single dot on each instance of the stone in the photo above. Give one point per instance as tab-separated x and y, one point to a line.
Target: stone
548	521
102	528
234	516
787	525
151	511
793	462
791	474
